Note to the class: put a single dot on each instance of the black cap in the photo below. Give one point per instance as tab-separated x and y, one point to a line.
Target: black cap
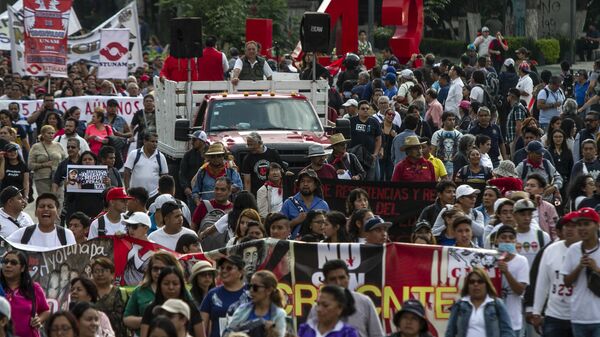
8	193
233	259
414	307
11	147
168	207
422	224
506	229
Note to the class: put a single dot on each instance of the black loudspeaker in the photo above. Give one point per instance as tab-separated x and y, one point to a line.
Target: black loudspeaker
186	37
314	32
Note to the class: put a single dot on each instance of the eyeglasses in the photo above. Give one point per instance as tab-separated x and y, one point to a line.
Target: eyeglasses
100	270
256	287
11	262
476	281
58	329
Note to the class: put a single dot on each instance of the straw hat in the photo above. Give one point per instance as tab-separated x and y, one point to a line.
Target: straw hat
215	149
411	141
336	139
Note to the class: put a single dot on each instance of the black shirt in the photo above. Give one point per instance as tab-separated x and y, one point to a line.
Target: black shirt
13	174
364	133
256	165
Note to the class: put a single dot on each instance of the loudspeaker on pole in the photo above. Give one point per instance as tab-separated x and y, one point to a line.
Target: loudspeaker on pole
315	32
186	37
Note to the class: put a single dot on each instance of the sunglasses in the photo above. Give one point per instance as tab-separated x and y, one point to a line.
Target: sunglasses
255	287
476	281
11	262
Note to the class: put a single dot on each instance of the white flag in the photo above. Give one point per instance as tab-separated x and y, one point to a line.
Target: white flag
113	53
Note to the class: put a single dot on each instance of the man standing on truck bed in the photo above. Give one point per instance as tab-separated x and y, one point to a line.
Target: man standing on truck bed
250	66
213	64
256	164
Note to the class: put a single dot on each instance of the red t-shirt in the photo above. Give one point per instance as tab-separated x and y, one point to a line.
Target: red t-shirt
326	172
200	211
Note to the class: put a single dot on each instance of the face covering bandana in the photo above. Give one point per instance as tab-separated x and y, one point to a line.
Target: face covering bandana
507	247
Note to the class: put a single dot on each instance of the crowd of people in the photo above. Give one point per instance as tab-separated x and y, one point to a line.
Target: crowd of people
513	153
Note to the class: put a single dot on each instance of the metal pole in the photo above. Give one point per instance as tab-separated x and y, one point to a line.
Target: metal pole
371	22
188	95
573	32
314	67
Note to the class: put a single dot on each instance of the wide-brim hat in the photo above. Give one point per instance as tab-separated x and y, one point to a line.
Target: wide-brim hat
411	141
309	173
506	168
201	267
215	149
414	307
316	150
336	139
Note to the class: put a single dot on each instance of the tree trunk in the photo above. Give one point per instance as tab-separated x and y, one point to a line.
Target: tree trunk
532	20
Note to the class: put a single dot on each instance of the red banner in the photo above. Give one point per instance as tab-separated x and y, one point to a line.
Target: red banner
46	23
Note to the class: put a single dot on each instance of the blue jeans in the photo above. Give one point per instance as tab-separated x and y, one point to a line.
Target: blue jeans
586	330
554	327
373	172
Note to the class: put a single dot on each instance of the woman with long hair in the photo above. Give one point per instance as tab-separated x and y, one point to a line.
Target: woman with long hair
202	280
554	124
311	228
218	300
389	131
84	290
55	120
25	296
562	156
357	199
97	132
267	303
334	228
356	223
583	186
241	227
144	294
62	323
334	303
16	172
44	158
465	144
228	222
88	320
171	285
570	129
474	172
479	291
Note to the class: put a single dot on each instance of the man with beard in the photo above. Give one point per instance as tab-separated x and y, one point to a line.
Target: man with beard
255	164
316	155
216	167
309	198
111	222
12	216
414	167
70	133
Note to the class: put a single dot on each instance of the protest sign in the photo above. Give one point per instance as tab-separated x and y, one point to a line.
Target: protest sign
127	105
86	178
388	274
113	53
46	36
6	41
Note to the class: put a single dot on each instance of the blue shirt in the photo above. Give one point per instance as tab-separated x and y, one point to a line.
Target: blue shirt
216	303
397	143
443	94
391	92
205	184
580	90
291	210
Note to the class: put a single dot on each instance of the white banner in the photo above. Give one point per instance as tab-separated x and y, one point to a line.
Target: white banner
113	53
85	47
6	41
127	105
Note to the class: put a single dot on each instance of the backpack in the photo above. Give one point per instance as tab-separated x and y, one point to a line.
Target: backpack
492	83
216	240
546	168
60	231
488	99
138	155
101	226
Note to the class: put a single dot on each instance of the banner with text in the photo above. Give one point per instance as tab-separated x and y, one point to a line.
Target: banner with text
127	105
114	53
84	47
6	43
86	179
45	37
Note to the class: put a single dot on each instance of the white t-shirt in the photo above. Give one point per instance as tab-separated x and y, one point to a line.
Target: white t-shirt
146	172
483	46
41	239
168	240
525	84
585	306
111	228
7	226
550	284
529	245
519	268
477	94
455	95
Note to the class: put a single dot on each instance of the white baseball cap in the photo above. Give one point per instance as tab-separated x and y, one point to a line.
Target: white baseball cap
138	218
160	200
174	306
464	190
351	102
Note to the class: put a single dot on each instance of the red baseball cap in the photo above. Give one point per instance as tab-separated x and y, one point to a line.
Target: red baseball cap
587	213
117	193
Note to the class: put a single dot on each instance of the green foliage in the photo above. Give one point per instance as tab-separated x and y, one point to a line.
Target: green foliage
550	48
544	51
443	47
382	35
432	8
227	19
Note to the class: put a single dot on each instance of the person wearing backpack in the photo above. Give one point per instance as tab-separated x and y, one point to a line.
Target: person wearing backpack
46	233
216	166
549	101
145	165
111	222
536	163
209	212
530	239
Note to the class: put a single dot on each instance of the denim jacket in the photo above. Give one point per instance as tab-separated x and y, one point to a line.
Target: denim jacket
497	321
242	313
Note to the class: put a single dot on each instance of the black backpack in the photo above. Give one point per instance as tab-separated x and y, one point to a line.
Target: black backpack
60	231
488	99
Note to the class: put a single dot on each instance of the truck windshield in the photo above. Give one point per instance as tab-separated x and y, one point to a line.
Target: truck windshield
262	114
